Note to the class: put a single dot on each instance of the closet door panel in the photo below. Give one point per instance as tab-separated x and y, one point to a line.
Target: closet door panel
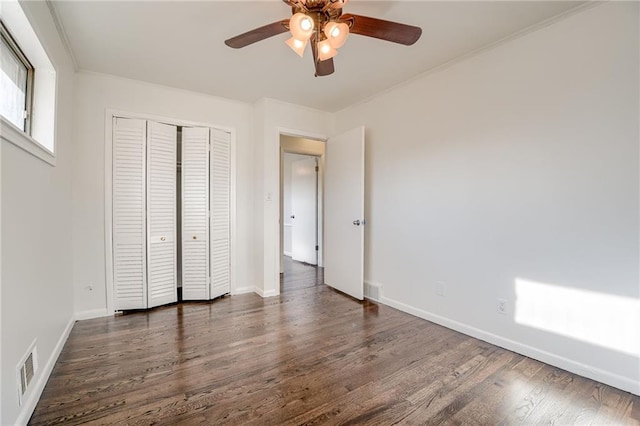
220	212
195	213
161	213
129	218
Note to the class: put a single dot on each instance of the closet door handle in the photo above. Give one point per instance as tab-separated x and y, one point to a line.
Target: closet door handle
162	238
195	238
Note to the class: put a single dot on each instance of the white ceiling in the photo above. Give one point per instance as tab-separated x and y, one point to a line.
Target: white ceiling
181	44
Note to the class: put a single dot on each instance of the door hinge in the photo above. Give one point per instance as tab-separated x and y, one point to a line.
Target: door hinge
317	248
317	169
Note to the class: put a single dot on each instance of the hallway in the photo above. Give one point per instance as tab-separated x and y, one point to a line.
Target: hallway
298	275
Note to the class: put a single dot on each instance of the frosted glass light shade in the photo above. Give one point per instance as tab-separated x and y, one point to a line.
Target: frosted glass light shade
337	33
301	26
297	46
326	51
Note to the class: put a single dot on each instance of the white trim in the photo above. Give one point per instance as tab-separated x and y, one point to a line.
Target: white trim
244	290
160	86
108	190
268	293
91	314
232	214
581	369
287	253
480	50
62	33
17	137
108	209
29	404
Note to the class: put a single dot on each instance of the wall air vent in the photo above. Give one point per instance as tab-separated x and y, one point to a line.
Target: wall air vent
26	371
372	291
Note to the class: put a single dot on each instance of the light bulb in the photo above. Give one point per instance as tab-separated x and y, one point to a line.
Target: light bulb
297	45
301	26
337	33
326	51
306	24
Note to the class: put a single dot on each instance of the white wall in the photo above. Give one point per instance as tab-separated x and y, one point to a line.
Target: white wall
520	163
272	118
37	291
95	94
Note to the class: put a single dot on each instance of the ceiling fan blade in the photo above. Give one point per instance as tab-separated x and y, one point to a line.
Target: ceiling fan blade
258	34
322	67
384	30
325	68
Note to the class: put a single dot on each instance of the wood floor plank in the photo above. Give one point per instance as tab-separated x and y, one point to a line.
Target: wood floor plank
310	356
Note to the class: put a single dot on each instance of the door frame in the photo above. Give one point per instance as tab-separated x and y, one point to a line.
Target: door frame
110	114
272	245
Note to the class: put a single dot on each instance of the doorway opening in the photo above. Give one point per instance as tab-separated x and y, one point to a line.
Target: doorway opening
301	217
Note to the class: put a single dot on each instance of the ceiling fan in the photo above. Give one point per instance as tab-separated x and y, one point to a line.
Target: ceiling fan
322	23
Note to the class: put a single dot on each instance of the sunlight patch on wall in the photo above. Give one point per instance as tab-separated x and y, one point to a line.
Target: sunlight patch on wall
601	319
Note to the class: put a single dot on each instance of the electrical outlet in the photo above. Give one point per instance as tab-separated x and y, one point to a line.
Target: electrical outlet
502	306
441	288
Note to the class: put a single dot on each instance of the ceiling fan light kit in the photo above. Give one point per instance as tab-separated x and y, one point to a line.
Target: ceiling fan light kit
301	26
322	23
337	33
297	46
326	51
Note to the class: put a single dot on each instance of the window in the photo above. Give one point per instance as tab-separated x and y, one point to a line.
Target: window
16	81
28	88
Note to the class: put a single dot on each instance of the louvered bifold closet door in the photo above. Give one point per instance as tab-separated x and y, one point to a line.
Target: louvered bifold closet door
161	213
195	213
220	213
129	224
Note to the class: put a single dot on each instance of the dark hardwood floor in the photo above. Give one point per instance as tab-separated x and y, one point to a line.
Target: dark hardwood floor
309	356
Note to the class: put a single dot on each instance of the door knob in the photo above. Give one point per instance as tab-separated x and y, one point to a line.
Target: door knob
195	238
356	222
162	238
293	216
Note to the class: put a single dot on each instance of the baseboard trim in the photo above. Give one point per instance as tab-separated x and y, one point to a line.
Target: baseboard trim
288	253
94	313
34	396
607	377
265	294
243	290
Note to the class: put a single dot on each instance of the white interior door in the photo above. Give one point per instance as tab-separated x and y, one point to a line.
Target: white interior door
129	218
195	213
220	213
161	214
304	185
344	213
